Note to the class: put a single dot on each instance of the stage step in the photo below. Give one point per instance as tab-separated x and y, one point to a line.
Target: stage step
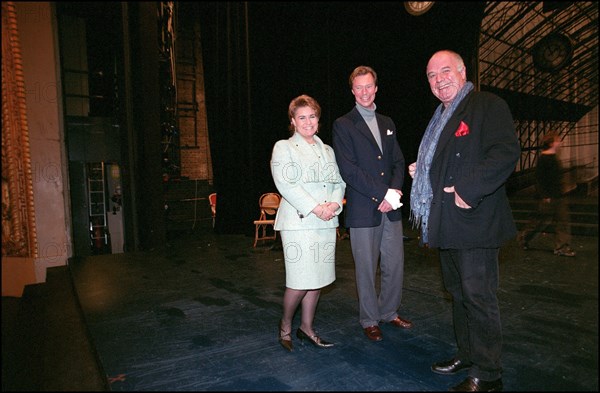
49	344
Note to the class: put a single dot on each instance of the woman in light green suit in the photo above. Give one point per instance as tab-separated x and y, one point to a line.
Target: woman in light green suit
306	175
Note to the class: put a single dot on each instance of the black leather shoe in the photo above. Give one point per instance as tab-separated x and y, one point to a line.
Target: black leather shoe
450	367
472	384
314	340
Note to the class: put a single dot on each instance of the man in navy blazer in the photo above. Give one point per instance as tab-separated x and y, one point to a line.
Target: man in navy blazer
372	165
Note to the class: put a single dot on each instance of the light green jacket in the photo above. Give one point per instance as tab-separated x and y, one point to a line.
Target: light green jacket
305	179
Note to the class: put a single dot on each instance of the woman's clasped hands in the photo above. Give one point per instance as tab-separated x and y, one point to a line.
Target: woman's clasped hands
326	211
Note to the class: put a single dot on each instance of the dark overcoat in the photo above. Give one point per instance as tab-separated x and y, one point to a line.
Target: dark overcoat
477	161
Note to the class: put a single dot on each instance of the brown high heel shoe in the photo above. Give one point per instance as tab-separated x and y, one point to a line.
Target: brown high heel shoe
286	343
314	340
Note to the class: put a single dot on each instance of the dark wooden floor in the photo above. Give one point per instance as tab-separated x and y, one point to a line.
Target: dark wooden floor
202	313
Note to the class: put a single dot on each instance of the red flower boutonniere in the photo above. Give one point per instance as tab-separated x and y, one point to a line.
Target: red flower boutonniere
463	129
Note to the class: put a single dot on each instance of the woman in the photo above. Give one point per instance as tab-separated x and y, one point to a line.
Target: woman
307	177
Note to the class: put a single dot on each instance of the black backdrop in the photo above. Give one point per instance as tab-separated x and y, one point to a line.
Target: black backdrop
259	55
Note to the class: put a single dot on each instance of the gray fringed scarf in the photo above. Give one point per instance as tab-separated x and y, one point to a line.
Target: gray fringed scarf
421	193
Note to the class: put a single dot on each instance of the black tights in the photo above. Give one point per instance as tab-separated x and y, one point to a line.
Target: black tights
291	300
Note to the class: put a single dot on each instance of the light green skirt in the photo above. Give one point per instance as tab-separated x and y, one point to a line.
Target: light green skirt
309	258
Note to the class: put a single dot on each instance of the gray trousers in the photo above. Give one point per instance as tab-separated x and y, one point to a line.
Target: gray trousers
382	244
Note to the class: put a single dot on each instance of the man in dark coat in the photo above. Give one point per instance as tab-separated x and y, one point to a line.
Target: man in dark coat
459	200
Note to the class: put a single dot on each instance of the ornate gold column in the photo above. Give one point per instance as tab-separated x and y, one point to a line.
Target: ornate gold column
19	243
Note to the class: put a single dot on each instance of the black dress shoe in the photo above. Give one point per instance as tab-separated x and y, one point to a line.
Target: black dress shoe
450	367
314	340
472	384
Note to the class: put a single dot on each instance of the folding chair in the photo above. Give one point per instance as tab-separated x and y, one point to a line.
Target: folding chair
268	203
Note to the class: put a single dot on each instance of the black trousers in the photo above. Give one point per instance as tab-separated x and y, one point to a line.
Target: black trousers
471	276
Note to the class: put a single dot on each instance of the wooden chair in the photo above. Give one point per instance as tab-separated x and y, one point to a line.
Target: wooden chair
212	200
268	203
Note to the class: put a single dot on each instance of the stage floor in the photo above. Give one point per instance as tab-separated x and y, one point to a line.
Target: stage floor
202	314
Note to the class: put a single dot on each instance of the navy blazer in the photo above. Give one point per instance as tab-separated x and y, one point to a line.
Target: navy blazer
477	162
367	171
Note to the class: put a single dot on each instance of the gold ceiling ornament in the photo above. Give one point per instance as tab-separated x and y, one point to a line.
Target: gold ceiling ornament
417	8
